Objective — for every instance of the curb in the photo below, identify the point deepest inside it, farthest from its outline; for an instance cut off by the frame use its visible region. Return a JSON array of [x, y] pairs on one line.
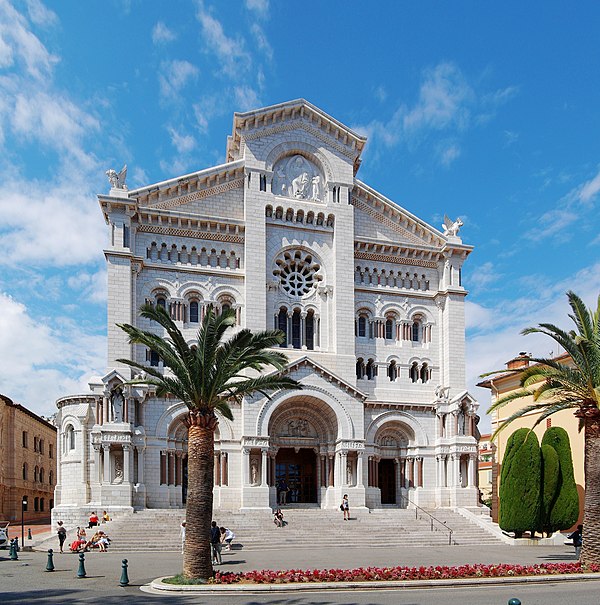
[[224, 589]]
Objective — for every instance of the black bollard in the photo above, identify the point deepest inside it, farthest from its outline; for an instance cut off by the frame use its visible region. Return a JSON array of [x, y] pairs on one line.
[[50, 564], [13, 550], [514, 601], [29, 533], [81, 570], [124, 581]]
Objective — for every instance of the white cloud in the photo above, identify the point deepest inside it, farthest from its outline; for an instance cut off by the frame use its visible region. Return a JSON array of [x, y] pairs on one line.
[[58, 353], [6, 53], [25, 45], [483, 275], [184, 143], [261, 40], [230, 51], [246, 98], [174, 76], [443, 100], [260, 6], [590, 189], [40, 14], [162, 34], [92, 287], [50, 224], [449, 154]]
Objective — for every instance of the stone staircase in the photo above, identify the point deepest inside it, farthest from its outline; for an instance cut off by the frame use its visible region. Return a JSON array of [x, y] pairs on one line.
[[156, 529]]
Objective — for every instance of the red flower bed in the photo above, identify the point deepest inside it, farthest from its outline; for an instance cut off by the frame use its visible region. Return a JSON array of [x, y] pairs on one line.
[[367, 574]]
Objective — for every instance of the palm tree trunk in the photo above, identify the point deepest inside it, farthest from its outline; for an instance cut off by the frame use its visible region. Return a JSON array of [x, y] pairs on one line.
[[196, 558], [590, 552]]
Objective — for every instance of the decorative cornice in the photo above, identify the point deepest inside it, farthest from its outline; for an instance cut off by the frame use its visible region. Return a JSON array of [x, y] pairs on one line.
[[199, 195], [398, 260], [208, 235]]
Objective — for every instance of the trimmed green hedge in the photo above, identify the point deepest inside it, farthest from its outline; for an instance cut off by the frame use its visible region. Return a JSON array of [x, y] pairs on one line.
[[550, 481]]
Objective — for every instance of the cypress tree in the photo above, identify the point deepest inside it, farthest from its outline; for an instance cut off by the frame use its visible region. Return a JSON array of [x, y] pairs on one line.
[[550, 480], [520, 483], [565, 509]]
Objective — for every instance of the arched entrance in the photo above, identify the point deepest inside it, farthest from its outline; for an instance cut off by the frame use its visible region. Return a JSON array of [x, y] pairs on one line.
[[299, 471], [303, 432]]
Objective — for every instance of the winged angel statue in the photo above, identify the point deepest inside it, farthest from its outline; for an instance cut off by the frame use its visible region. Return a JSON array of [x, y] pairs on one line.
[[117, 179], [451, 227]]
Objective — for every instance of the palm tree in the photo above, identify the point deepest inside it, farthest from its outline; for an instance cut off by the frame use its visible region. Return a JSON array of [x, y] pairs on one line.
[[555, 387], [207, 377]]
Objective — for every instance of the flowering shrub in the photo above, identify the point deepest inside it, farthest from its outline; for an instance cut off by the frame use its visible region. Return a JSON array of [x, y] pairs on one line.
[[366, 574]]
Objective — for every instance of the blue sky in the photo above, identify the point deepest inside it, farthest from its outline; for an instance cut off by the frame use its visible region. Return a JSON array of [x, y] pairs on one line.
[[479, 110]]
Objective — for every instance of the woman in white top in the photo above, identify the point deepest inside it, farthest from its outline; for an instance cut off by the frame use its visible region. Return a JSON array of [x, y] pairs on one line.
[[227, 537]]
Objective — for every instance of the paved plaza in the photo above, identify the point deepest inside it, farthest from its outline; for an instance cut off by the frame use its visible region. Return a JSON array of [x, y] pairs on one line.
[[26, 580]]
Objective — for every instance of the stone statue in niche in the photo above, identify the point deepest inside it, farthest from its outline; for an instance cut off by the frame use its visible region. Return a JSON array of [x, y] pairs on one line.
[[254, 472], [349, 473], [117, 401], [298, 178], [461, 421], [118, 470]]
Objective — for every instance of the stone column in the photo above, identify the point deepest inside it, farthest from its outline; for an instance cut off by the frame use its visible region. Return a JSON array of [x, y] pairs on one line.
[[106, 452], [217, 468], [224, 468], [323, 467], [419, 472], [343, 458], [105, 409], [456, 469], [441, 471], [411, 472], [96, 463], [140, 451], [472, 470], [263, 467], [359, 469], [246, 466], [126, 463], [170, 459], [330, 470], [303, 330]]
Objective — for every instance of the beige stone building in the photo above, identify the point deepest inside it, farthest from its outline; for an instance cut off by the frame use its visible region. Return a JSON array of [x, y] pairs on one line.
[[487, 449], [504, 384], [27, 463]]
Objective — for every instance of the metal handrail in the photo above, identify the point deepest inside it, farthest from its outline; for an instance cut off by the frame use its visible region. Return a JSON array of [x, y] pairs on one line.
[[431, 517]]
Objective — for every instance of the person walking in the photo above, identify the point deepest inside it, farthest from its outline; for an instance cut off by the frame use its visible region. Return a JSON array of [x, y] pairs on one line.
[[215, 544], [577, 537], [345, 507], [62, 535], [182, 537]]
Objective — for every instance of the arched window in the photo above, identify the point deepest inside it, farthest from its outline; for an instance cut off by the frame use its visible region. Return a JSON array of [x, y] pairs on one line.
[[194, 312], [36, 504], [41, 446], [416, 331], [69, 438], [424, 373], [282, 324], [371, 370], [42, 475], [51, 477], [225, 307], [154, 359], [42, 504], [310, 330], [362, 326], [296, 336], [392, 371], [35, 444], [25, 471], [360, 368], [389, 329], [161, 301], [36, 474], [414, 372]]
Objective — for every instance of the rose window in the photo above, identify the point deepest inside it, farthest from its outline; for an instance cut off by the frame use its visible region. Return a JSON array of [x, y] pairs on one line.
[[298, 273]]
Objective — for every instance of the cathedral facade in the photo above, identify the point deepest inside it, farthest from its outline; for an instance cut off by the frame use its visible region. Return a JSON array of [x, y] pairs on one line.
[[369, 298]]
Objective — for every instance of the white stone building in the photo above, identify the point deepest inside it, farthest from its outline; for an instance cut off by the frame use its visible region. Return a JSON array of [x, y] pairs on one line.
[[369, 296]]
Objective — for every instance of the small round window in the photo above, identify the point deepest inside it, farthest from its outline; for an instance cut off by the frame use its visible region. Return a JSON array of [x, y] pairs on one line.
[[298, 273]]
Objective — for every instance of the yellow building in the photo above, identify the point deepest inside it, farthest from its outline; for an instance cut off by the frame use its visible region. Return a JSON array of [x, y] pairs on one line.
[[27, 463], [501, 385]]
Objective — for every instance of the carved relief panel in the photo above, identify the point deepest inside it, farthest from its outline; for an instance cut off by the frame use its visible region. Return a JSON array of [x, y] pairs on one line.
[[298, 178]]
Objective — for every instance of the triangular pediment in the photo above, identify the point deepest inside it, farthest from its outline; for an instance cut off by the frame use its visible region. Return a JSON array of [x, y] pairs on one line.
[[306, 362], [386, 221], [297, 114]]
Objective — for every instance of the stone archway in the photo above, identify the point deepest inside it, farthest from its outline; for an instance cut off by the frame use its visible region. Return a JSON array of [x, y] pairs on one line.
[[303, 431]]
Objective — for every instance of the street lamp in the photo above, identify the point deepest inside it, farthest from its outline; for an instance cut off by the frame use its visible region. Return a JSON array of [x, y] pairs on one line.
[[23, 506]]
